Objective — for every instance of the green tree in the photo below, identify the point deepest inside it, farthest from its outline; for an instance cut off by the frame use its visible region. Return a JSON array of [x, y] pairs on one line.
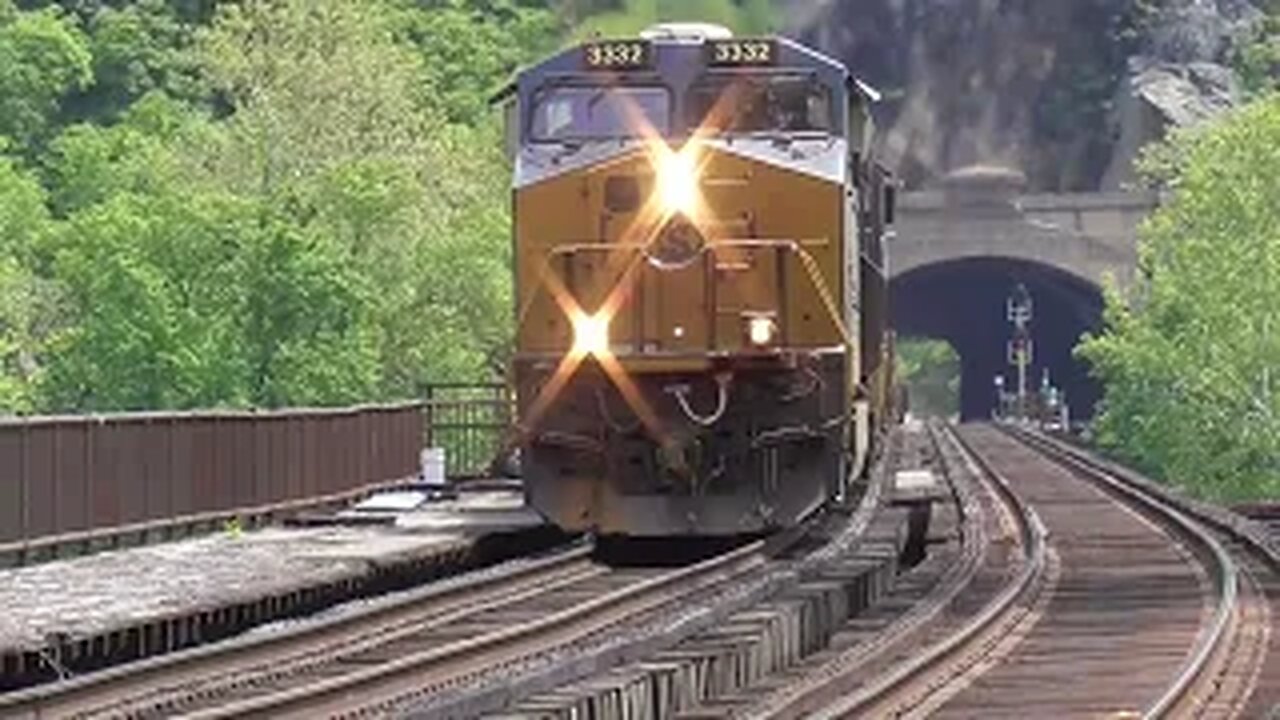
[[930, 370], [628, 17], [154, 307], [268, 202], [469, 47], [137, 48], [312, 85], [156, 145], [1257, 59], [333, 125], [43, 58], [1189, 366], [308, 323], [28, 303], [201, 299]]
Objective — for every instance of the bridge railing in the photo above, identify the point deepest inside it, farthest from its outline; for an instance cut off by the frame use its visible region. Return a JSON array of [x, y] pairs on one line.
[[64, 479], [470, 422]]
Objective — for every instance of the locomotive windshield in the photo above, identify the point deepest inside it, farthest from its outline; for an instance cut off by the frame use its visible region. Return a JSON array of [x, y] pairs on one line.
[[756, 104], [599, 113]]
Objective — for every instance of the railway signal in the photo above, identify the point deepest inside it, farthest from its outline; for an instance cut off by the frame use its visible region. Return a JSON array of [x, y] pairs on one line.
[[1018, 311]]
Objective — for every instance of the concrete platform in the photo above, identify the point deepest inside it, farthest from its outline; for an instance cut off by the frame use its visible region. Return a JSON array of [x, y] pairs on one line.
[[68, 601], [472, 513]]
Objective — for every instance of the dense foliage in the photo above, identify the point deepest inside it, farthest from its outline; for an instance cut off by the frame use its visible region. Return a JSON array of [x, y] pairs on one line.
[[274, 202], [930, 370], [268, 202], [626, 17], [1189, 366], [1257, 59]]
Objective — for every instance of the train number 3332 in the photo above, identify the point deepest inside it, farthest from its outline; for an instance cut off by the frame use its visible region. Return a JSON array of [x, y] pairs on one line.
[[742, 52], [617, 55]]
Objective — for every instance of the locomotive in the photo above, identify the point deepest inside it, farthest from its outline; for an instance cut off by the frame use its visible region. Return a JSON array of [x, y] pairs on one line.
[[700, 282]]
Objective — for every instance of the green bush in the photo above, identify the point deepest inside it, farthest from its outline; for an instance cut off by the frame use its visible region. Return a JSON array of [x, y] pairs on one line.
[[1189, 361]]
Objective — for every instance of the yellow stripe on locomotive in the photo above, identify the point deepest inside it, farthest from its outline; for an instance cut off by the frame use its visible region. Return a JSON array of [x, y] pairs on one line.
[[694, 252]]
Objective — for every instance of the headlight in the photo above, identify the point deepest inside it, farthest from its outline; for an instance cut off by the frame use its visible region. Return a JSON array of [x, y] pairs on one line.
[[761, 329], [591, 334], [677, 246], [677, 179]]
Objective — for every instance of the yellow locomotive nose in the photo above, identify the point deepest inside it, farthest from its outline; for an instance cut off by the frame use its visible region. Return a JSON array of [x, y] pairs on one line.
[[697, 307]]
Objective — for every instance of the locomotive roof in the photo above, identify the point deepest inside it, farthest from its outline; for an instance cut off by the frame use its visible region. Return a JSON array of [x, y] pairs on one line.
[[679, 59]]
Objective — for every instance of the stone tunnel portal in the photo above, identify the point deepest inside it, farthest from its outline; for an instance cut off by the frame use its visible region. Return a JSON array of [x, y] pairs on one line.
[[963, 302]]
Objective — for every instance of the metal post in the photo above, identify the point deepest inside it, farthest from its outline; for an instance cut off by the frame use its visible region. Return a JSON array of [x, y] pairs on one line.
[[1000, 398], [430, 419], [1019, 312]]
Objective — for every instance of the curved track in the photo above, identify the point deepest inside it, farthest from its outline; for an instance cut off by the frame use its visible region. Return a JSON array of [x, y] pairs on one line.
[[1137, 600], [1123, 607], [1074, 591]]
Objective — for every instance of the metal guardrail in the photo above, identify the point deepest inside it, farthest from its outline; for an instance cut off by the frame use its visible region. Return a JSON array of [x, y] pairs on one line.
[[83, 477], [470, 422]]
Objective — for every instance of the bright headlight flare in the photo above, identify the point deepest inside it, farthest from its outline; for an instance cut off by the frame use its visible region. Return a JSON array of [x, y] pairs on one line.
[[761, 330], [677, 178], [591, 334]]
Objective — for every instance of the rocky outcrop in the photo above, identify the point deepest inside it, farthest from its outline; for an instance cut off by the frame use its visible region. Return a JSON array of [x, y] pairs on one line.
[[1180, 79], [1156, 97], [1065, 90], [1198, 31]]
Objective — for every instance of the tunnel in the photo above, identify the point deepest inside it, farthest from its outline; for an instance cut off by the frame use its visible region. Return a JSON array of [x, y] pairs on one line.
[[963, 302]]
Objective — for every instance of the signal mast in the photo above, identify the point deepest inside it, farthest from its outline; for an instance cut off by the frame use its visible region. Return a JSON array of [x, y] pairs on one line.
[[1018, 311]]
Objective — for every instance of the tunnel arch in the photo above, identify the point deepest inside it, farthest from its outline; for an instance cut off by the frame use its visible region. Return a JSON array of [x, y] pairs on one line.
[[962, 301]]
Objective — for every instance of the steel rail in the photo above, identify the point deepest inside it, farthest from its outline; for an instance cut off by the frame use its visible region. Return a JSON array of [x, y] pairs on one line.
[[1210, 637], [382, 684], [1034, 541], [138, 682], [797, 698]]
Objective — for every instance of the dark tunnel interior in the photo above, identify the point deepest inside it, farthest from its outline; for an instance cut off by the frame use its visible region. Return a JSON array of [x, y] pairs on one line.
[[963, 302]]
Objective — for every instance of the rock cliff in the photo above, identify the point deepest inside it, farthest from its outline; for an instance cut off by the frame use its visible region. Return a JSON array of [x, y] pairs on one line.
[[1066, 91]]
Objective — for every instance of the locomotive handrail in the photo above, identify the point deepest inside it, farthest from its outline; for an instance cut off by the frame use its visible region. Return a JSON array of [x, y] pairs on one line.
[[795, 246]]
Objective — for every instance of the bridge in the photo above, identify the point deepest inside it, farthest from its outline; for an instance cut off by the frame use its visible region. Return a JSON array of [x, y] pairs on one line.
[[960, 250]]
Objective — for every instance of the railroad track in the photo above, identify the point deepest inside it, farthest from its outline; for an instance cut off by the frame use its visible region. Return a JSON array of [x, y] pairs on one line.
[[1060, 589], [1235, 668], [998, 551], [1121, 605], [723, 669], [377, 655], [263, 670], [381, 655]]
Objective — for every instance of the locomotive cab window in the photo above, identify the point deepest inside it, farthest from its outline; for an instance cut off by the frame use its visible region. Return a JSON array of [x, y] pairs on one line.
[[747, 104], [578, 112]]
